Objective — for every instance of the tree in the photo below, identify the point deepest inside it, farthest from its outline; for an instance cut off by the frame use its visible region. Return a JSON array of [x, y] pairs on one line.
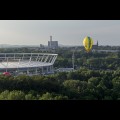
[[16, 95], [12, 95], [30, 97], [61, 97], [75, 88], [116, 88], [47, 96], [94, 80], [4, 95]]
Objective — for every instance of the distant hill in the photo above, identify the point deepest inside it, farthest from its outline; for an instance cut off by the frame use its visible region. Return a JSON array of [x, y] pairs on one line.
[[61, 45], [16, 46]]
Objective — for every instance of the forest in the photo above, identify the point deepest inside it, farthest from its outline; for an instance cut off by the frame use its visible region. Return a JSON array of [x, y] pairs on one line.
[[83, 84], [96, 77]]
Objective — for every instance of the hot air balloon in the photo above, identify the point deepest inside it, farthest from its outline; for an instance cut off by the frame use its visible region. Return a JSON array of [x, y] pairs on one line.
[[88, 42]]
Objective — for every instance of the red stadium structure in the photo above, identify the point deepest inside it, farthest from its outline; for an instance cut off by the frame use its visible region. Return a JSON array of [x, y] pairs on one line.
[[6, 74]]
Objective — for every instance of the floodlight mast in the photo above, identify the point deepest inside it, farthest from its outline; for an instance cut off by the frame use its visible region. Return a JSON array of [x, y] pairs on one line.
[[73, 59]]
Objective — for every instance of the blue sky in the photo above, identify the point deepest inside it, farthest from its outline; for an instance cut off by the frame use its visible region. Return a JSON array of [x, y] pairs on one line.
[[66, 32]]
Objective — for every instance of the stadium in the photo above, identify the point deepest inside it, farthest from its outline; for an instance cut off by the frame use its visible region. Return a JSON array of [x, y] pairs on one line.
[[27, 63]]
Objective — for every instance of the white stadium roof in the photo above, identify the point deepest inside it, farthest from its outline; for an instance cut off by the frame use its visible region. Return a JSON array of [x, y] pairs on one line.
[[23, 64], [26, 60]]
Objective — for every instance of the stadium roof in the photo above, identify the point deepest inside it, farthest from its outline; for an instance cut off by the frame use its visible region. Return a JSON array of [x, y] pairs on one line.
[[26, 60]]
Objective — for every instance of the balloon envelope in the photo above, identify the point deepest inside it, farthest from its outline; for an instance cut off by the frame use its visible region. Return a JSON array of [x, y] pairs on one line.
[[88, 42]]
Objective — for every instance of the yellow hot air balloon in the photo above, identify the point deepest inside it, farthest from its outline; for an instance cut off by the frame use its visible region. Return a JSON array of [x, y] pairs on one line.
[[88, 42]]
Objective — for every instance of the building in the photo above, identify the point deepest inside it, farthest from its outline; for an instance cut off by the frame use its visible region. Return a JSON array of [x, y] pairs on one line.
[[108, 51], [27, 63], [65, 70], [42, 46], [95, 46], [52, 44]]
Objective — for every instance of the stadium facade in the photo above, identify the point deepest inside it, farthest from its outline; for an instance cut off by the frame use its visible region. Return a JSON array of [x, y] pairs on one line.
[[27, 63]]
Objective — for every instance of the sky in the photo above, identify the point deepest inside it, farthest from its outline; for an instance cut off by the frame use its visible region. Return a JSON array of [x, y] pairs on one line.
[[66, 32]]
